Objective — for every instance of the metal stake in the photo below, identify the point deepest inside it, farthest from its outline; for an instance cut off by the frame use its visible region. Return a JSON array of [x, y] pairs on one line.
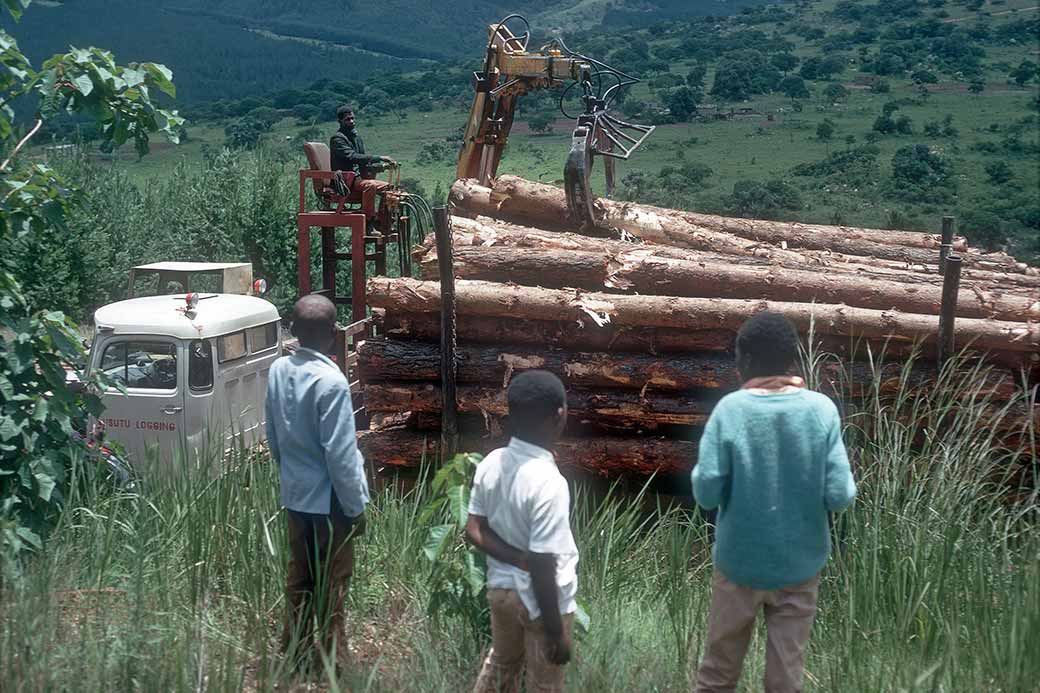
[[948, 308], [947, 243], [449, 403]]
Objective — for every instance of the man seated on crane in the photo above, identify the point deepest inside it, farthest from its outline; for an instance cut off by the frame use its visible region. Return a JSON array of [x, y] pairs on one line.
[[347, 151]]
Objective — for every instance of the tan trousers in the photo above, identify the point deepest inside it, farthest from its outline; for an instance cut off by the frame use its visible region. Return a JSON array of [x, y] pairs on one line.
[[517, 641], [789, 615], [321, 562]]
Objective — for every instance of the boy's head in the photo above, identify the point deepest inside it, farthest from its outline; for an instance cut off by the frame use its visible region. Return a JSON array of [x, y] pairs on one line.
[[314, 322], [537, 406], [767, 344]]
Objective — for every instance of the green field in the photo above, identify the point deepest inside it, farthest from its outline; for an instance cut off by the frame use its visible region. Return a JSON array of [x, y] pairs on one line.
[[767, 144]]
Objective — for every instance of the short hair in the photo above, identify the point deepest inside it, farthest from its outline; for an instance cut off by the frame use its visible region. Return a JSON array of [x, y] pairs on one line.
[[345, 108], [314, 316], [769, 342], [534, 397]]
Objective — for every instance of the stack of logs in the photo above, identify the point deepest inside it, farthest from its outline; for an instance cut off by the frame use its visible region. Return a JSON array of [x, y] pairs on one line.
[[638, 318]]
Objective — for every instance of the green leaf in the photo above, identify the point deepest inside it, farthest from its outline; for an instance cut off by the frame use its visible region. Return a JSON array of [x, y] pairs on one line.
[[84, 84], [30, 537], [436, 539], [458, 500], [474, 574], [581, 617], [9, 429], [45, 485], [15, 7]]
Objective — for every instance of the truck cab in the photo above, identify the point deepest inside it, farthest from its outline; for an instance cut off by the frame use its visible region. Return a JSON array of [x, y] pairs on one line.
[[194, 367], [178, 277]]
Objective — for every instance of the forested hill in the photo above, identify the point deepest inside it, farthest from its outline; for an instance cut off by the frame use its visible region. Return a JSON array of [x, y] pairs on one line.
[[238, 48]]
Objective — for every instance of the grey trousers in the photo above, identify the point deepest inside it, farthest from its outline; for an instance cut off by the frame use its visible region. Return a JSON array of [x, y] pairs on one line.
[[789, 613]]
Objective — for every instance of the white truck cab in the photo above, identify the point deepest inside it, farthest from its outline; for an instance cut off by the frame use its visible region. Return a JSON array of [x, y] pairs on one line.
[[195, 369]]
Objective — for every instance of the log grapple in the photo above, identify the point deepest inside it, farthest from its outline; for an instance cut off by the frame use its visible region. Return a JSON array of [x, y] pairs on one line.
[[510, 70]]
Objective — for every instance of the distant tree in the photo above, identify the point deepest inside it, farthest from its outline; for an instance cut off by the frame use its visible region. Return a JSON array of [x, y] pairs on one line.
[[880, 87], [948, 129], [785, 62], [919, 165], [825, 130], [873, 136], [924, 77], [794, 87], [932, 128], [1025, 71], [305, 113], [763, 200], [976, 86], [245, 133], [904, 125], [998, 172], [541, 123], [695, 77], [681, 102], [835, 92]]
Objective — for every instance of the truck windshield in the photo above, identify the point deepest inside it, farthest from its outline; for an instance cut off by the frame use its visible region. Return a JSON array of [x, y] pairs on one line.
[[141, 364]]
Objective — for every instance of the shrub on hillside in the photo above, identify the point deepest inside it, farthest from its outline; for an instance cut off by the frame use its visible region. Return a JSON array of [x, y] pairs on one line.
[[763, 200]]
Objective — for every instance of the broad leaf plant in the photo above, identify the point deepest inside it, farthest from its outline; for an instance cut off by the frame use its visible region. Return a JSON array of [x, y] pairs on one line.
[[38, 412]]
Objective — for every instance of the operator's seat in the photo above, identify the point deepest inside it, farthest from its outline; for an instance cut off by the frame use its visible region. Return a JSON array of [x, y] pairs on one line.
[[319, 159]]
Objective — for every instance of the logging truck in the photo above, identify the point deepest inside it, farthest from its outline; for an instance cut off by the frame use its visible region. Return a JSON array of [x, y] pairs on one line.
[[186, 371]]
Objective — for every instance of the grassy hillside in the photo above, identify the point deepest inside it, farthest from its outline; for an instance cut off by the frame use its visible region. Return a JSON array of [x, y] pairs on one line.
[[239, 48], [819, 145]]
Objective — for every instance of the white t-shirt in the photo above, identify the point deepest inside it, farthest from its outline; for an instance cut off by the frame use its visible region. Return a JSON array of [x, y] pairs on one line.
[[525, 500]]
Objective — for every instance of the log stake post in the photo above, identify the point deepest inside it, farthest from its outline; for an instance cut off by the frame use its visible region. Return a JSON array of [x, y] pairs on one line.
[[449, 408], [947, 243], [948, 308]]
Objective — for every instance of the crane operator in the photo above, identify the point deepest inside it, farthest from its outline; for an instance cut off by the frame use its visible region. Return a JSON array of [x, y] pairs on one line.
[[347, 151]]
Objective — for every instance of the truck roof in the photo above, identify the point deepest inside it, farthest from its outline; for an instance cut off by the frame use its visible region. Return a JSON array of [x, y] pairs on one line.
[[176, 266], [216, 314]]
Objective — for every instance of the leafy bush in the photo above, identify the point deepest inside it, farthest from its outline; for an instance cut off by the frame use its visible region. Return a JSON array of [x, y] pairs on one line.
[[919, 164], [854, 166], [766, 200], [457, 586]]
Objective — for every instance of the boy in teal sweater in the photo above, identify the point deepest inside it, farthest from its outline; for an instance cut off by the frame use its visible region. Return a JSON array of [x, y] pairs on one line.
[[773, 462]]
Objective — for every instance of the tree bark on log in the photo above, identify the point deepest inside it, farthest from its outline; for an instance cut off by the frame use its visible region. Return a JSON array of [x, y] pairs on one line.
[[534, 303], [640, 271], [486, 232], [629, 409], [527, 202], [551, 334], [601, 455], [397, 360]]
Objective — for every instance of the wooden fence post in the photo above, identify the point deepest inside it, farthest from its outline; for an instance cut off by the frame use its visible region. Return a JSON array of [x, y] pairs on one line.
[[947, 243], [948, 308], [449, 406]]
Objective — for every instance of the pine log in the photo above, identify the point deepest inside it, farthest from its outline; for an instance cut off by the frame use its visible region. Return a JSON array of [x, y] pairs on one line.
[[626, 408], [653, 340], [600, 455], [538, 204], [487, 232], [641, 271], [397, 360], [534, 303]]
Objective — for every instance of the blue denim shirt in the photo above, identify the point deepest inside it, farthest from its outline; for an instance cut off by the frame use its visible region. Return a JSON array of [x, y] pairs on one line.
[[310, 431]]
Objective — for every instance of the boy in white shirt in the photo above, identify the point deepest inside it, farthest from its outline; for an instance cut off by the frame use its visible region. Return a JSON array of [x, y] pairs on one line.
[[519, 515]]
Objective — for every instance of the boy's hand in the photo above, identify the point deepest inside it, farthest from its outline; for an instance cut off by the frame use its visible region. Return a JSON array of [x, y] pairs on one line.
[[559, 648], [357, 525]]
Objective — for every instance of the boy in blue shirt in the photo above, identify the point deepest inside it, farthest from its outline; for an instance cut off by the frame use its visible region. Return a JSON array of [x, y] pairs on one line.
[[773, 462]]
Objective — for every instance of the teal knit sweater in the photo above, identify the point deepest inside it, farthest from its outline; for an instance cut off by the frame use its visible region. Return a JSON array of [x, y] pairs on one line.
[[774, 465]]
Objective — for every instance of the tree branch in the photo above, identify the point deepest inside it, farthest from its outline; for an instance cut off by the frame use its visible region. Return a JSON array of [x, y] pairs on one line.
[[35, 129]]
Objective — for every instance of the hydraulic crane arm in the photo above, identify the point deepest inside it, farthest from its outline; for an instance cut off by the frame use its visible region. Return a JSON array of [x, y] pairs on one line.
[[511, 71]]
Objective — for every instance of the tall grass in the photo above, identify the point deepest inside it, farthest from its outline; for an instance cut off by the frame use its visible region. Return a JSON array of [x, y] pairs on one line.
[[935, 585]]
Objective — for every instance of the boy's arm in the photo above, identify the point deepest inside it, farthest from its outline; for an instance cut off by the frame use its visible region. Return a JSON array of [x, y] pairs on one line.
[[269, 425], [546, 594], [550, 536], [839, 488], [342, 457], [711, 473], [480, 535]]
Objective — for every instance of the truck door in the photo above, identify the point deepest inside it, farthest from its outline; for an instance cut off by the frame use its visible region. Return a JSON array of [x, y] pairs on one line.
[[149, 419]]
